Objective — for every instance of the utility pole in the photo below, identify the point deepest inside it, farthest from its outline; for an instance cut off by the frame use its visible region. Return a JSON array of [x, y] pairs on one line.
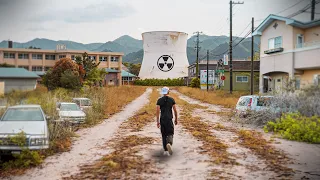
[[252, 54], [197, 49], [313, 4], [207, 70], [230, 44]]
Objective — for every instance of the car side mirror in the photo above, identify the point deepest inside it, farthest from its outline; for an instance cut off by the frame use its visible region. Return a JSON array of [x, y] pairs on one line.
[[58, 109], [81, 109], [48, 117]]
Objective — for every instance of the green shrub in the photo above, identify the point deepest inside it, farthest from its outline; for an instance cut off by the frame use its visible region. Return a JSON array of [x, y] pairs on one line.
[[160, 82], [26, 158], [195, 82], [294, 126]]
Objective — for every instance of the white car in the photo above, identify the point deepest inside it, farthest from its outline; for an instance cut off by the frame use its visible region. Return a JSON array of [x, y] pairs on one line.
[[71, 112], [83, 103], [252, 103], [29, 119]]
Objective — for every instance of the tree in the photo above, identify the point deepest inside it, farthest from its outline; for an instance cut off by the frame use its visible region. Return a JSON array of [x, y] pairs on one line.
[[70, 80], [6, 65], [85, 65], [133, 68], [95, 76], [52, 79]]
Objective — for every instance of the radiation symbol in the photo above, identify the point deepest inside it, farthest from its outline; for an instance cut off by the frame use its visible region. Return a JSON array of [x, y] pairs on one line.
[[165, 63]]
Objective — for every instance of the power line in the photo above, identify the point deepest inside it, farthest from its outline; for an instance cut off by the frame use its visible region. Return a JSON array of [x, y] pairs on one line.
[[242, 32], [290, 7], [302, 10]]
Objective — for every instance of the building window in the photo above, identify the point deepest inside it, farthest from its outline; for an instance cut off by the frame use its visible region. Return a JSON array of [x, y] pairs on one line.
[[25, 67], [9, 55], [103, 58], [47, 68], [50, 57], [62, 56], [275, 42], [37, 56], [92, 58], [23, 56], [114, 59], [242, 79], [36, 68]]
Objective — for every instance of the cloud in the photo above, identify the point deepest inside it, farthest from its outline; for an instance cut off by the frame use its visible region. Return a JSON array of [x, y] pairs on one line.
[[91, 13], [33, 29]]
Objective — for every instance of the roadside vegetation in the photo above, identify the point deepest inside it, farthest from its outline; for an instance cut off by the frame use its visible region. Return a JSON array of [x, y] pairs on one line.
[[160, 82], [105, 102], [218, 97]]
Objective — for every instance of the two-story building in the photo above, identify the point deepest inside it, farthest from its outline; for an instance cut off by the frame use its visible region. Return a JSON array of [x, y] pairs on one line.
[[289, 52], [40, 60]]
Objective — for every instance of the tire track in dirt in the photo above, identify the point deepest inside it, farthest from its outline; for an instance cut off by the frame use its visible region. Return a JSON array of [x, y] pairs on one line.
[[250, 166], [88, 147]]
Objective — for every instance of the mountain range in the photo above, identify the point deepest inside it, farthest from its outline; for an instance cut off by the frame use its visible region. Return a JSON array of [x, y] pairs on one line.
[[133, 48]]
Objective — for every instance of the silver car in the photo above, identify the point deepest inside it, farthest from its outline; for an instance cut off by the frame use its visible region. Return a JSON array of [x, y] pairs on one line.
[[29, 119], [71, 112]]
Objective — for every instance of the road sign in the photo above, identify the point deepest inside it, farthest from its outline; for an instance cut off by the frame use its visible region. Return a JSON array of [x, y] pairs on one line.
[[220, 71], [223, 78], [225, 59]]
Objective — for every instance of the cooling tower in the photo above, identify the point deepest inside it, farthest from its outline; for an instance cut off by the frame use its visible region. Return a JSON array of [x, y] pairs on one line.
[[165, 55]]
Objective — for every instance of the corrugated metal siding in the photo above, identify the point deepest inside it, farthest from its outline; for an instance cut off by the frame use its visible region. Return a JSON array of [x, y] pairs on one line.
[[19, 84]]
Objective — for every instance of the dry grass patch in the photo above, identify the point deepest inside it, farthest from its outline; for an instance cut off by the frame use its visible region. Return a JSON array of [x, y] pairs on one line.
[[117, 97], [123, 163], [274, 158], [144, 116], [202, 131], [219, 97]]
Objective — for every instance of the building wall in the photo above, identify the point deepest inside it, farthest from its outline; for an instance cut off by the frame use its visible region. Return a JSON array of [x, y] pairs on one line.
[[111, 79], [241, 86], [282, 30], [19, 84], [312, 34], [306, 79]]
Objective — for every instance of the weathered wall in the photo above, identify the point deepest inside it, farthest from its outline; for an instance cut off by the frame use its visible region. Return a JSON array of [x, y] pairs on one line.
[[19, 84]]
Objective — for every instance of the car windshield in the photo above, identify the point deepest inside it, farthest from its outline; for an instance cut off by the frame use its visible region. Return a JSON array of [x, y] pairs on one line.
[[244, 101], [86, 102], [23, 114], [264, 101], [69, 107]]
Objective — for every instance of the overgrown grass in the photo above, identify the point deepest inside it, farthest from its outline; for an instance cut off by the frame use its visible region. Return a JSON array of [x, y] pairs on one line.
[[218, 97], [105, 102], [294, 126]]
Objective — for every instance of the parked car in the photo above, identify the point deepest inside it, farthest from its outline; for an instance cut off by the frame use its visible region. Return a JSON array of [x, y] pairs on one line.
[[83, 103], [252, 103], [71, 112], [27, 118]]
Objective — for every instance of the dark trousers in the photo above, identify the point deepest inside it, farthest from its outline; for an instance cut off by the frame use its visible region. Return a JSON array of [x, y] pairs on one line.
[[167, 131]]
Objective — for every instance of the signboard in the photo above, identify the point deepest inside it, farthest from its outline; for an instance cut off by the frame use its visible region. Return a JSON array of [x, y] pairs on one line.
[[225, 59], [203, 79], [61, 47], [220, 71]]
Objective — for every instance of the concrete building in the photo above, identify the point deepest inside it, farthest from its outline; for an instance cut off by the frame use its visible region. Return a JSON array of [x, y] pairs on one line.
[[17, 79], [289, 51], [128, 78], [39, 60]]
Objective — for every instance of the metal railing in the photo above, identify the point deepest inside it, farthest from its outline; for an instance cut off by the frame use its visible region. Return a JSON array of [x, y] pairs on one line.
[[307, 44]]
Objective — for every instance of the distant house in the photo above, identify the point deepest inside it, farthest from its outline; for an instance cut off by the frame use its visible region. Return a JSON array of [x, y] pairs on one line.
[[17, 79], [241, 74], [128, 78], [290, 50], [112, 77]]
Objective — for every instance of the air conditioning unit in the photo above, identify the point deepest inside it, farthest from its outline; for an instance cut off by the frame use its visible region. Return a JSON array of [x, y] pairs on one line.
[[316, 79]]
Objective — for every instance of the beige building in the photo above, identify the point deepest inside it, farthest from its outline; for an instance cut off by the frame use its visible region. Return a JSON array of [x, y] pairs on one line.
[[39, 60], [289, 53]]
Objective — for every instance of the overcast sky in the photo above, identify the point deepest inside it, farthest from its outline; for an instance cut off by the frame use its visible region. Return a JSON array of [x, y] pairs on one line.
[[89, 21]]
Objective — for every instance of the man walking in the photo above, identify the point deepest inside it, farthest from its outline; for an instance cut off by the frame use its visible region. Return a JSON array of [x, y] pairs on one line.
[[165, 104]]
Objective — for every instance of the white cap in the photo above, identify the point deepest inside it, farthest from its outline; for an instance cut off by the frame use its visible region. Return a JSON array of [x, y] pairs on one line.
[[165, 90]]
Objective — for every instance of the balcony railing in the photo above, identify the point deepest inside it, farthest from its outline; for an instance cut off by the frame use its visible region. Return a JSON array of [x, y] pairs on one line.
[[307, 44]]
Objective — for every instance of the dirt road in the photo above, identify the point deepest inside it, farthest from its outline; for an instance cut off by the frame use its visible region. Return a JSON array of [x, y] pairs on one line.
[[190, 159]]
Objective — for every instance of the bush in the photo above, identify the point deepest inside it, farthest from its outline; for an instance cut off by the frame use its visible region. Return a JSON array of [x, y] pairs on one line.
[[70, 80], [294, 126], [160, 82], [195, 83]]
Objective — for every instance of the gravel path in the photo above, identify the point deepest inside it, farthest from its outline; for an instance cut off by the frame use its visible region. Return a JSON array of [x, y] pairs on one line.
[[88, 147]]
